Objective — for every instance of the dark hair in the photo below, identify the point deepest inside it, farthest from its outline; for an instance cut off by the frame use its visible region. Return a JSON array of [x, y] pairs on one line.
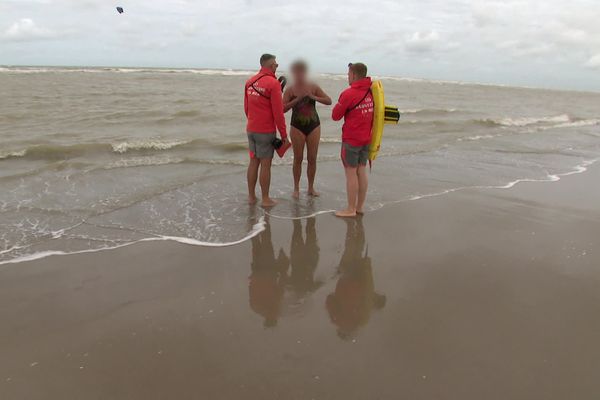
[[299, 65], [266, 58], [359, 69]]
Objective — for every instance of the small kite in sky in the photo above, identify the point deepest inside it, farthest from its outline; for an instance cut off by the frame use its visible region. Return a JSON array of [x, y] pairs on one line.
[[120, 10]]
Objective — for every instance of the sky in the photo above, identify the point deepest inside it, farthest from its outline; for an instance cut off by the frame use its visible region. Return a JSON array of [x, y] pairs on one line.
[[549, 43]]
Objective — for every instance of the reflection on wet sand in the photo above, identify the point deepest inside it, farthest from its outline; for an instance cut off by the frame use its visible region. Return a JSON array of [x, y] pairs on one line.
[[267, 279], [304, 258], [272, 276], [354, 298], [275, 278]]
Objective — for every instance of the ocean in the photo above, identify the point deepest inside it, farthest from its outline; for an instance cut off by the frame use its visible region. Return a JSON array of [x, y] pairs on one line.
[[97, 158]]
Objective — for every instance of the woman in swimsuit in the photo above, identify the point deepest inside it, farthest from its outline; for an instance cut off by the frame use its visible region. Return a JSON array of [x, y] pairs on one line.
[[301, 98]]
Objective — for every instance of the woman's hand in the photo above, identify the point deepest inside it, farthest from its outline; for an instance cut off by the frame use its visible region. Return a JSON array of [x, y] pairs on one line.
[[320, 96], [302, 93], [290, 99]]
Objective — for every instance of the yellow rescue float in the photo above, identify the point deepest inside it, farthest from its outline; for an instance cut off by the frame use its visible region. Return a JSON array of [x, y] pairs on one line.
[[382, 115]]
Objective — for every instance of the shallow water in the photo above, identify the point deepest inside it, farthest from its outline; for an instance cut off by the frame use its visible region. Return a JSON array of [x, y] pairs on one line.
[[98, 158]]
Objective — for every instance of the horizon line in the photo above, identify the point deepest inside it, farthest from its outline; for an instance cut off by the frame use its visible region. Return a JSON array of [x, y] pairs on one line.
[[407, 78]]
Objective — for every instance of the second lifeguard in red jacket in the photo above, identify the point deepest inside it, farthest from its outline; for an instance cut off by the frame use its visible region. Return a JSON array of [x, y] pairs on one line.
[[355, 105], [263, 106]]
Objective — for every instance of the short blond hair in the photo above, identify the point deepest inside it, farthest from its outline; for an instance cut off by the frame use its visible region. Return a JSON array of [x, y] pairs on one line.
[[359, 69]]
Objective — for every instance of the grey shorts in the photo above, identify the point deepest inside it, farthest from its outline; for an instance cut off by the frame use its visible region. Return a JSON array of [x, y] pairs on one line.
[[353, 156], [261, 145]]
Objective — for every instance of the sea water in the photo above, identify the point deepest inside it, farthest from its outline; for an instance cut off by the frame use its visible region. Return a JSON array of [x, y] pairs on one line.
[[96, 158]]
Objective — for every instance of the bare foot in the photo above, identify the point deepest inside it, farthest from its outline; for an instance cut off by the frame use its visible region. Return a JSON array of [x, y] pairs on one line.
[[268, 202], [313, 193], [252, 200], [296, 194], [347, 213]]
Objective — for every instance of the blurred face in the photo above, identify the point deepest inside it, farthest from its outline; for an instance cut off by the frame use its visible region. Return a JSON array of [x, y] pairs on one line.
[[299, 74]]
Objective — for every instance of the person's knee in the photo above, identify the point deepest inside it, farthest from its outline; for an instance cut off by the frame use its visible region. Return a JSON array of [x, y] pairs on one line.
[[298, 160], [351, 171], [312, 159]]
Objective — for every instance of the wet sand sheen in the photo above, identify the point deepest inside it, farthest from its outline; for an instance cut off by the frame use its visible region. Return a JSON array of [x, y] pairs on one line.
[[478, 294]]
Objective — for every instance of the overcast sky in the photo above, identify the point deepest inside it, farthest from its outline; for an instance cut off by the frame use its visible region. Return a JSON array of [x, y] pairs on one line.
[[549, 43]]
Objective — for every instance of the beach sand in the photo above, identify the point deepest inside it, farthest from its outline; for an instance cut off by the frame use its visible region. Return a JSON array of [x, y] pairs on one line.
[[477, 294]]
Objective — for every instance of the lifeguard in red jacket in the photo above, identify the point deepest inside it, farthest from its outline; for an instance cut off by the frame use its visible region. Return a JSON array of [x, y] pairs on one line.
[[263, 106], [355, 105]]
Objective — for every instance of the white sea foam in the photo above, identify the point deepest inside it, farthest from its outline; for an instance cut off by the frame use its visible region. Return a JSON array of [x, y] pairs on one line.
[[317, 213], [549, 178], [436, 194], [476, 137], [574, 124], [16, 70], [426, 110], [124, 147], [526, 121], [10, 249], [227, 72], [41, 70], [144, 161], [331, 140], [256, 230], [13, 154]]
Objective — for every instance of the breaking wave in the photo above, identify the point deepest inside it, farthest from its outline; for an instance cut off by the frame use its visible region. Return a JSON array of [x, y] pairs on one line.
[[58, 152], [527, 121], [41, 70], [428, 111], [124, 147]]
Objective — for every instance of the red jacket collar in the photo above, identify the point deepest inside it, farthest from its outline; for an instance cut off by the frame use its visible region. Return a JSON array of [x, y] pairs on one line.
[[266, 71], [363, 83]]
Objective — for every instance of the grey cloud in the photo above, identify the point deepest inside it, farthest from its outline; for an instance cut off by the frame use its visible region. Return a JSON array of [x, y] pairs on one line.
[[593, 62], [501, 41], [26, 29], [422, 42]]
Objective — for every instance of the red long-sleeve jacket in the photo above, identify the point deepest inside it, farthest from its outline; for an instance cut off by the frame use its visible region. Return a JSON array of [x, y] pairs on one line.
[[355, 105], [263, 104]]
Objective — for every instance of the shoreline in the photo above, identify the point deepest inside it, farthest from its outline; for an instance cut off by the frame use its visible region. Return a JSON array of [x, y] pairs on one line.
[[259, 226]]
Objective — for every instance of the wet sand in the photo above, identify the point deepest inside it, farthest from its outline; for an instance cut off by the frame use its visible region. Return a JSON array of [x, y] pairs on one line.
[[478, 294]]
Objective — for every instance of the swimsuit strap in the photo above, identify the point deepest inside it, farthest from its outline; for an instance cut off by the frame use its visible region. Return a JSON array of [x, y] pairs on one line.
[[360, 102], [256, 90]]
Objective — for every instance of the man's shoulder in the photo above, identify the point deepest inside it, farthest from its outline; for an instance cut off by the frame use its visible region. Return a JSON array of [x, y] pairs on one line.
[[270, 80], [262, 79], [348, 92]]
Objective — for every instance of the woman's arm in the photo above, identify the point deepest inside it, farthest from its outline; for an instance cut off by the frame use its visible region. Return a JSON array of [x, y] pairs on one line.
[[289, 101], [319, 95]]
